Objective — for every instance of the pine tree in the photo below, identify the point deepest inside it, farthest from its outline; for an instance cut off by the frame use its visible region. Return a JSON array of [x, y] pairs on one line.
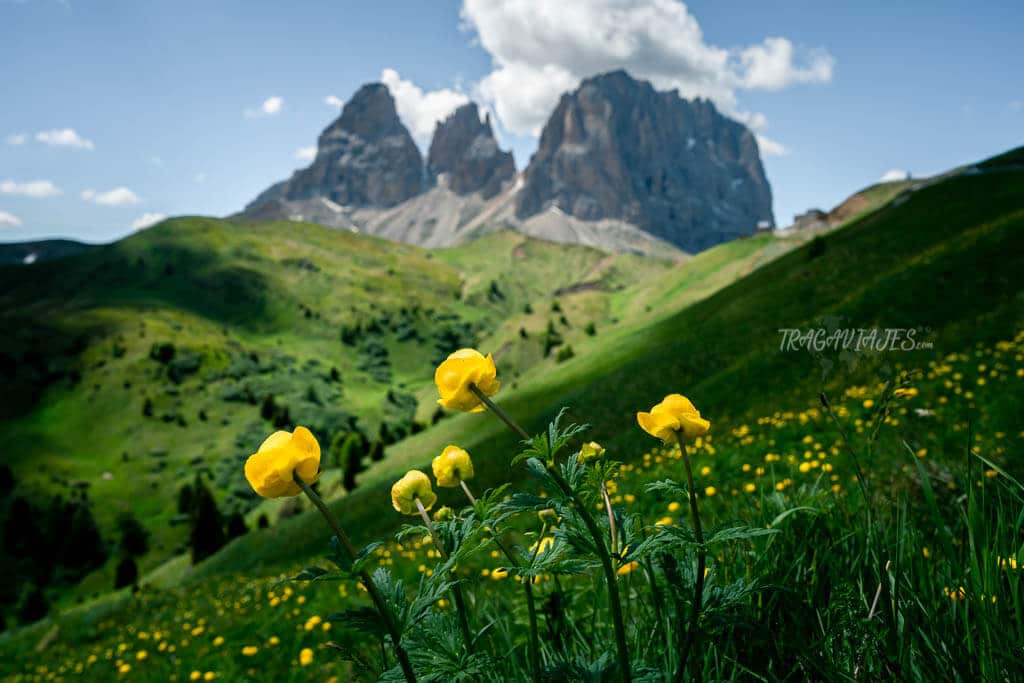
[[207, 535], [134, 537], [126, 573]]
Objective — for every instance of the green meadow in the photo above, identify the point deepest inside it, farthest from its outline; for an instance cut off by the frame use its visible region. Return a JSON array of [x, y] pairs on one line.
[[863, 508]]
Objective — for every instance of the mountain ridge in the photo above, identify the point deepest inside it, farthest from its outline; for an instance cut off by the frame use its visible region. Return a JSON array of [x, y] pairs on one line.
[[610, 178]]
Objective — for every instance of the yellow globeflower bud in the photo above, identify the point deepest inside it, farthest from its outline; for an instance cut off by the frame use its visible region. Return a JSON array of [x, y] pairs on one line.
[[444, 514], [451, 466], [269, 470], [406, 490], [591, 451], [461, 369], [675, 416]]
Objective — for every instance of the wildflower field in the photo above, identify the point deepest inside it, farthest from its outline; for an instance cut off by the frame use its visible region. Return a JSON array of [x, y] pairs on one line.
[[679, 500]]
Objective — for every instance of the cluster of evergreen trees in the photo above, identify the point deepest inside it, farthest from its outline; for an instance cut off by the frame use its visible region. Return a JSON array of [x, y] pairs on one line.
[[47, 543]]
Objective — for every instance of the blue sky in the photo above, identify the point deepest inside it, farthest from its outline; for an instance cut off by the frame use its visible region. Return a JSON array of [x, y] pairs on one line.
[[115, 112]]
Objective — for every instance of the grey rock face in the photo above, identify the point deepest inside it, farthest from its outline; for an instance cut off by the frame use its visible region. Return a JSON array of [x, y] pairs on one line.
[[618, 149], [463, 148], [366, 158]]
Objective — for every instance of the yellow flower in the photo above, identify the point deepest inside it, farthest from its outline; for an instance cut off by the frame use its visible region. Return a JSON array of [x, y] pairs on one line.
[[499, 574], [306, 656], [462, 368], [195, 675], [452, 466], [444, 514], [124, 668], [406, 490], [218, 641], [250, 650], [209, 676], [675, 416], [710, 491], [627, 568], [591, 451], [270, 469]]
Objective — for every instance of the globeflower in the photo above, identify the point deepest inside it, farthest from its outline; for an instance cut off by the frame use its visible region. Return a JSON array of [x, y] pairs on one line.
[[452, 466], [462, 369], [414, 485], [270, 469], [675, 418], [591, 451]]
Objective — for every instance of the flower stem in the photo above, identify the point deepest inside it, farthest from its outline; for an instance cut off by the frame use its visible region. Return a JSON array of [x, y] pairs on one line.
[[531, 608], [611, 519], [595, 533], [460, 603], [502, 415], [364, 576], [698, 589]]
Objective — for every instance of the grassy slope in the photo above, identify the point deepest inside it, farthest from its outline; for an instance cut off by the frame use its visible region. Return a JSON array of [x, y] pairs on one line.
[[225, 291], [947, 261]]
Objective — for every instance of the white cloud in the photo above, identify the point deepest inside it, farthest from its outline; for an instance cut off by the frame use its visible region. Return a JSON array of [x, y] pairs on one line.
[[772, 65], [119, 196], [32, 188], [9, 220], [769, 147], [64, 137], [147, 219], [16, 139], [894, 175], [334, 101], [540, 49], [271, 106], [305, 153], [420, 111]]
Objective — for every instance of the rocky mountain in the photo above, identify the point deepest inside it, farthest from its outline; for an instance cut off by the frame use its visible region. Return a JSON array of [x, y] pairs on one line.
[[676, 168], [464, 152], [365, 158], [620, 166]]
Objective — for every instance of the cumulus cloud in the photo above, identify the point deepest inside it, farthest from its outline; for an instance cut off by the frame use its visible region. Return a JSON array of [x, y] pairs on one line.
[[271, 106], [32, 188], [420, 111], [9, 220], [894, 175], [119, 196], [769, 147], [334, 101], [305, 153], [64, 137], [147, 219], [16, 139], [540, 49]]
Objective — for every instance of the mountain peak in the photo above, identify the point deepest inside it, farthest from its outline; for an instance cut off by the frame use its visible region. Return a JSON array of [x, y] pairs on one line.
[[464, 150], [365, 158], [616, 148], [371, 114]]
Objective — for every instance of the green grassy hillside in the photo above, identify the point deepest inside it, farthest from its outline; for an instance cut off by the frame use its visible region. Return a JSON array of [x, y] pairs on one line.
[[268, 314], [946, 262]]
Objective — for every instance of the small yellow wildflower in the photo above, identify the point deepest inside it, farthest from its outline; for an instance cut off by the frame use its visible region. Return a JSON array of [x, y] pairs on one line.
[[454, 376], [414, 485], [591, 451], [675, 416], [250, 650], [627, 568], [269, 470], [499, 574], [452, 466], [306, 656], [710, 491], [195, 675], [218, 641]]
